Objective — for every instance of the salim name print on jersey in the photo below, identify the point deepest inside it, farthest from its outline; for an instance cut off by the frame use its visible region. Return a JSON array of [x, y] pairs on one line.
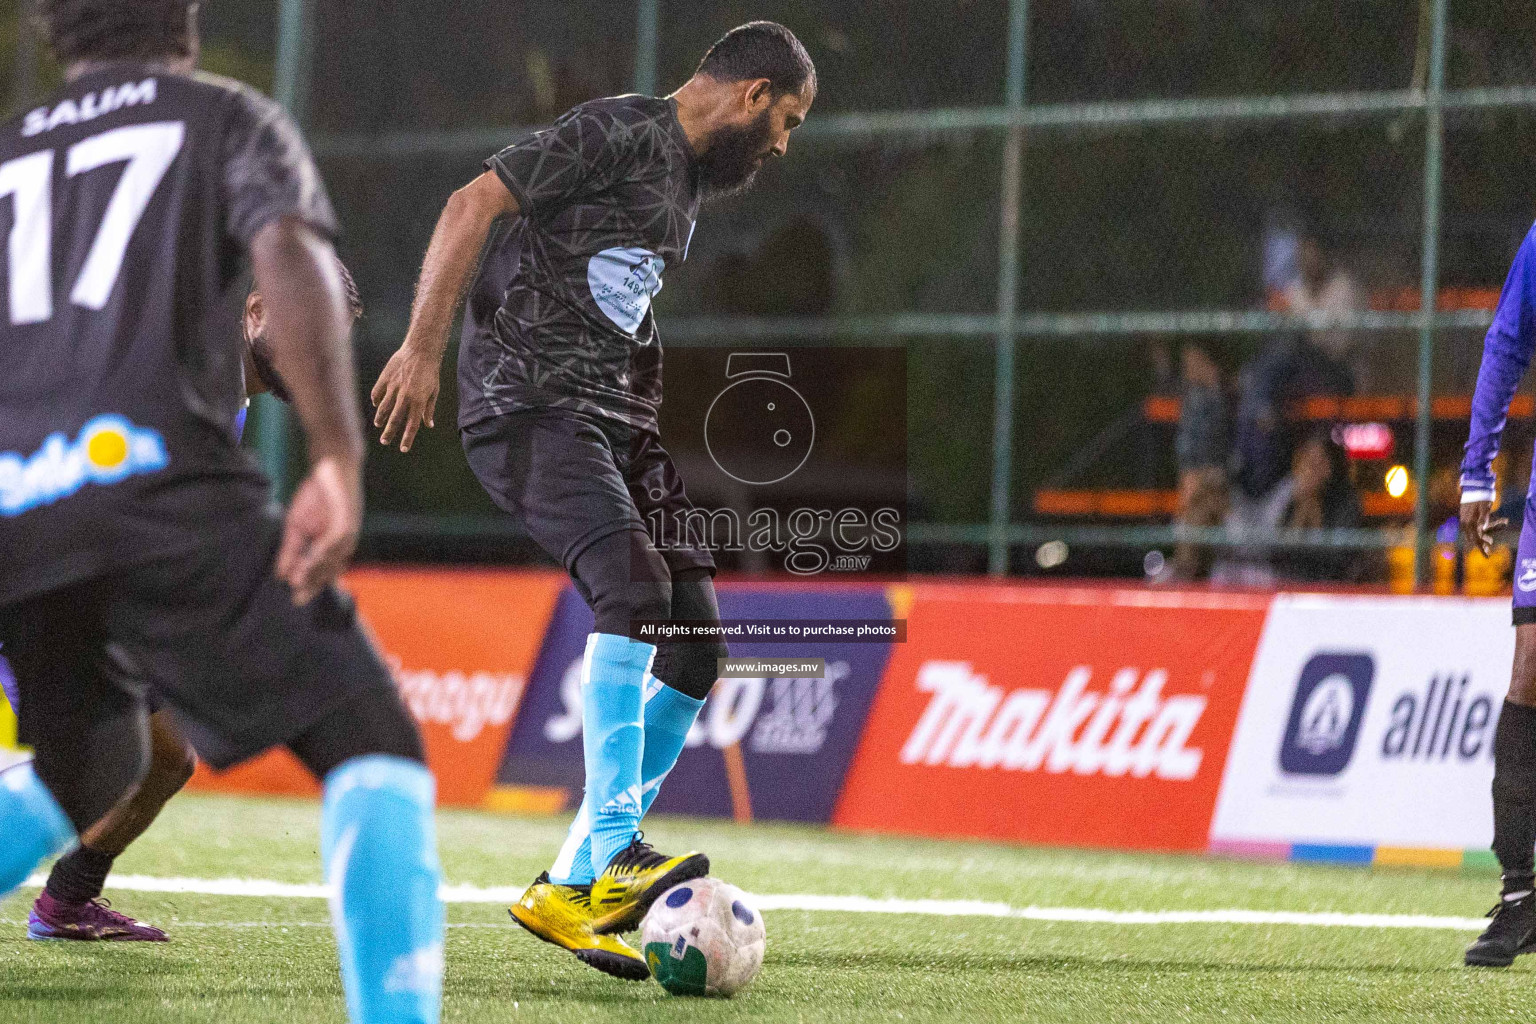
[[90, 106], [107, 450]]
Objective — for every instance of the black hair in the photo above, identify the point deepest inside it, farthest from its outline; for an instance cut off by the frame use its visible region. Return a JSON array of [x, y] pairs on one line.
[[761, 49], [261, 353], [118, 29], [354, 297]]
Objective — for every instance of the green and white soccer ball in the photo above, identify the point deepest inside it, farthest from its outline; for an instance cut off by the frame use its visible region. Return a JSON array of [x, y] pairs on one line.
[[703, 938]]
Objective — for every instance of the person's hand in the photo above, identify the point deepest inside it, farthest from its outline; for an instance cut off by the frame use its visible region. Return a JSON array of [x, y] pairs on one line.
[[405, 396], [1477, 527], [320, 532]]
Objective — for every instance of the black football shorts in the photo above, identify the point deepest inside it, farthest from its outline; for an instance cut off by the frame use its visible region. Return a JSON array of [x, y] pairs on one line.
[[571, 479], [211, 632]]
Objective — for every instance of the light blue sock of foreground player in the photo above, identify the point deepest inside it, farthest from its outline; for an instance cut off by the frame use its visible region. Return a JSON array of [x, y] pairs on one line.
[[669, 714], [378, 842], [33, 824], [613, 676]]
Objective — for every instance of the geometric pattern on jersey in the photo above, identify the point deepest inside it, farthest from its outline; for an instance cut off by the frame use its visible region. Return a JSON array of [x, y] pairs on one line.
[[609, 196]]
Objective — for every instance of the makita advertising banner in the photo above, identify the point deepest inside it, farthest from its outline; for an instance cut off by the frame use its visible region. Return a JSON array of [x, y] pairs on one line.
[[1369, 722], [461, 644], [762, 748], [1091, 717]]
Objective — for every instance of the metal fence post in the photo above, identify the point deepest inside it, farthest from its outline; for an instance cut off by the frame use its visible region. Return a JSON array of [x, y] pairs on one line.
[[1007, 296], [645, 47], [1429, 279], [290, 87], [24, 78]]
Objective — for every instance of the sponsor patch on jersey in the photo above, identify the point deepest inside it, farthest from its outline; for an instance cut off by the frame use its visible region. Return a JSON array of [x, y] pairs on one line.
[[1526, 578], [623, 281], [107, 450]]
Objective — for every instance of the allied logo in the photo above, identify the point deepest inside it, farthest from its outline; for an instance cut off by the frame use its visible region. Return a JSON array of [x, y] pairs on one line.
[[1130, 728], [108, 450], [1326, 713]]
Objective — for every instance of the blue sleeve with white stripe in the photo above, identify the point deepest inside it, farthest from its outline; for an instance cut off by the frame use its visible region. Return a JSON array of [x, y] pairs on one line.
[[1506, 354]]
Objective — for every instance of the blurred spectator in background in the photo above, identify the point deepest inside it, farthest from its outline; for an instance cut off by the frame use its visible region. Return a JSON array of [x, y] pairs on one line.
[[1295, 365], [1315, 495], [1326, 292], [1201, 446]]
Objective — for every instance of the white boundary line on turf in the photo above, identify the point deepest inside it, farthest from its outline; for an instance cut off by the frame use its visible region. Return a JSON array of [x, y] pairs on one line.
[[257, 887]]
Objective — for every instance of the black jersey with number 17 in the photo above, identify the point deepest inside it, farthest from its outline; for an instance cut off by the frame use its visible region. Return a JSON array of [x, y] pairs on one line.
[[129, 201]]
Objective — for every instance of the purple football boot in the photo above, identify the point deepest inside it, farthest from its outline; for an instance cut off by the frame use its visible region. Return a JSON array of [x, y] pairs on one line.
[[95, 921]]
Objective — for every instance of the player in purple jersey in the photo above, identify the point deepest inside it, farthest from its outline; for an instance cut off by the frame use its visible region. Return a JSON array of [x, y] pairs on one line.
[[1506, 354], [559, 382], [70, 905]]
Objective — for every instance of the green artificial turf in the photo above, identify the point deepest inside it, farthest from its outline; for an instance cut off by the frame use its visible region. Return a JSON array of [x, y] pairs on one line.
[[243, 959]]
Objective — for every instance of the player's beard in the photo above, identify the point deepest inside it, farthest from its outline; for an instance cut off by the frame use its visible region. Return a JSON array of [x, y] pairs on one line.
[[735, 154]]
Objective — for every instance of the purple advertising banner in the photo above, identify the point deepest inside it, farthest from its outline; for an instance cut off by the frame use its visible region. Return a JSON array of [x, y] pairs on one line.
[[762, 748]]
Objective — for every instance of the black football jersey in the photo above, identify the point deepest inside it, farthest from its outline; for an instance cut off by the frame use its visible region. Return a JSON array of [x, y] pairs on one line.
[[560, 314], [128, 202]]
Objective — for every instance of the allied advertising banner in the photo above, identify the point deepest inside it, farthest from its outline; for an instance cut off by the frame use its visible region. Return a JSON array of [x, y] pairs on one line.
[[1085, 717], [461, 643], [1368, 723], [762, 747]]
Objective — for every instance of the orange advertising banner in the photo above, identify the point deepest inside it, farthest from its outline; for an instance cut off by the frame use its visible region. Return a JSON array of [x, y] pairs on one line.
[[461, 643], [1074, 716]]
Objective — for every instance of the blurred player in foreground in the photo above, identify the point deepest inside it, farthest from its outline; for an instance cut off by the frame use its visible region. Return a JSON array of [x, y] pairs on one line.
[[560, 378], [1506, 354], [70, 905], [137, 551]]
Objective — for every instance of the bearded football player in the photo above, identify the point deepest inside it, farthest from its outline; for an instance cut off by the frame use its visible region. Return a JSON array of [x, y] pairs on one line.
[[560, 379]]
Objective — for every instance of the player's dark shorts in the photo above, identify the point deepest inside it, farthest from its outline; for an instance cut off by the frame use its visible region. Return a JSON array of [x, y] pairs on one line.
[[12, 689], [572, 479], [211, 632], [1525, 567]]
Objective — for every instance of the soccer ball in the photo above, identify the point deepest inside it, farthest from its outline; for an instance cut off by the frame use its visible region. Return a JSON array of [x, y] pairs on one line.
[[703, 938]]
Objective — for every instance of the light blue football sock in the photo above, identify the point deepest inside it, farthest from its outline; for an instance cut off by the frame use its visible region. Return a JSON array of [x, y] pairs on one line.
[[613, 738], [33, 824], [669, 714], [379, 846]]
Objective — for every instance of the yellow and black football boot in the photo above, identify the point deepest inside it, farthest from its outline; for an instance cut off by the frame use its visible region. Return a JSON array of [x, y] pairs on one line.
[[634, 879], [562, 916]]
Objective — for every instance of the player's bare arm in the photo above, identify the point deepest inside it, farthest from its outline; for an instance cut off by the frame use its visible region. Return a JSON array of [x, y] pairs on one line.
[[307, 325], [405, 396]]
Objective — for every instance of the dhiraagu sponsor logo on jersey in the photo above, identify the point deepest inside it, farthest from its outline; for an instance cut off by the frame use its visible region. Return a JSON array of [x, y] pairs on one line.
[[623, 282], [107, 450]]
